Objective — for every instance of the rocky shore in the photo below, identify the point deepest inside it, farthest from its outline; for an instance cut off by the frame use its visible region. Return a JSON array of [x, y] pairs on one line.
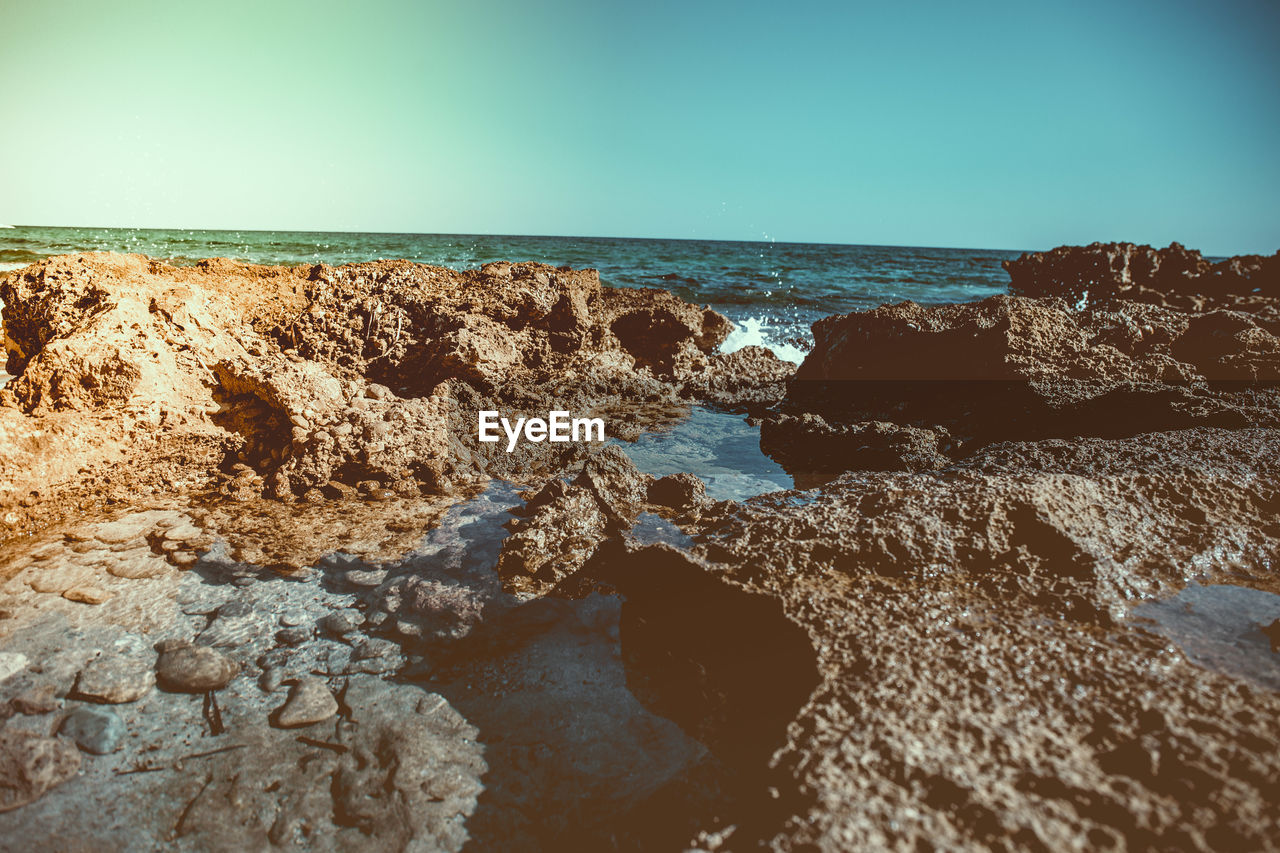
[[263, 588]]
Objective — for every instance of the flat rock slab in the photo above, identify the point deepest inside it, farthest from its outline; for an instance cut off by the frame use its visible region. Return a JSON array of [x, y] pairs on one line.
[[310, 701], [137, 565], [30, 765], [115, 680], [194, 669], [88, 595]]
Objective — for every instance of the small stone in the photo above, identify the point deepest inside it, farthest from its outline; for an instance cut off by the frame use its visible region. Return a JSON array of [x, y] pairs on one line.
[[309, 702], [115, 680], [88, 595], [339, 491], [677, 491], [366, 578], [293, 616], [340, 622], [406, 488], [95, 729], [375, 647], [294, 636], [378, 392], [38, 700], [194, 669], [30, 765], [271, 679], [11, 663], [183, 559]]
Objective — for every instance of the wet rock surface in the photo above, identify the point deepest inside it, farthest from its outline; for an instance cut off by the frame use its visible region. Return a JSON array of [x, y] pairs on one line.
[[1022, 595]]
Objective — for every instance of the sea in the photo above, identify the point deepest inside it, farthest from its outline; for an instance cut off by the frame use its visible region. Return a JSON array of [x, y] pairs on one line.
[[771, 291]]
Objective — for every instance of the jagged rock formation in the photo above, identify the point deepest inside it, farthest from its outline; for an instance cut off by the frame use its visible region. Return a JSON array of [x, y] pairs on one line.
[[933, 645], [1003, 480], [316, 383], [1013, 367], [1174, 276]]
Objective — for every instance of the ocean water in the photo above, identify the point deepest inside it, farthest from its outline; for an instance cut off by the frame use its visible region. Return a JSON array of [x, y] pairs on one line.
[[771, 291]]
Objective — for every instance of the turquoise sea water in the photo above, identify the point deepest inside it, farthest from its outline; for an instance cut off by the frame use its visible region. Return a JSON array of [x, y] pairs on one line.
[[772, 291]]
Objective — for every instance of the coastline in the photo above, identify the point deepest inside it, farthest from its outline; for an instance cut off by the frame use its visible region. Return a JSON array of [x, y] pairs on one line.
[[930, 639]]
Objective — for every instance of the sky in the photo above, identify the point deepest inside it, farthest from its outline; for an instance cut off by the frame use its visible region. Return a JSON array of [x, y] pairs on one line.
[[992, 125]]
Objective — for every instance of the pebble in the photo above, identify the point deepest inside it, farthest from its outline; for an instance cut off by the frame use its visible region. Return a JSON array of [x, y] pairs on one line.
[[341, 622], [309, 702], [367, 578], [375, 647], [294, 636], [88, 595], [11, 663], [95, 729], [194, 669], [293, 616], [183, 559], [271, 679], [37, 700], [115, 680]]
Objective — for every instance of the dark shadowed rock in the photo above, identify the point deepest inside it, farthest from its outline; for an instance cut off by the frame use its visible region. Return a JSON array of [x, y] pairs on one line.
[[1174, 276], [677, 491]]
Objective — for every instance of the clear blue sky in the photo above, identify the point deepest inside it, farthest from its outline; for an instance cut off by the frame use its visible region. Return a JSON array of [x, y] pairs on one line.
[[1001, 125]]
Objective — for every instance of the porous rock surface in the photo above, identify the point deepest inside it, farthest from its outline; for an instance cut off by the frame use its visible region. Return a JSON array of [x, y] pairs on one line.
[[132, 376], [931, 642], [1175, 276], [1004, 481]]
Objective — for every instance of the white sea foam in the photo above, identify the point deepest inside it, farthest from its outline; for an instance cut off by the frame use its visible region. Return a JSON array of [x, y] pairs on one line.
[[755, 331], [5, 267]]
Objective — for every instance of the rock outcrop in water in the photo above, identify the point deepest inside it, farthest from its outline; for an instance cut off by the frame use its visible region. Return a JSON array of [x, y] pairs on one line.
[[1174, 276]]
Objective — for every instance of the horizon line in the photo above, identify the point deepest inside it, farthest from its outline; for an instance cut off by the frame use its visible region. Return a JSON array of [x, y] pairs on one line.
[[768, 241]]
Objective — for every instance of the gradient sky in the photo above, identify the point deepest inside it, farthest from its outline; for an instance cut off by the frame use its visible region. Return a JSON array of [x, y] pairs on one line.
[[995, 125]]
